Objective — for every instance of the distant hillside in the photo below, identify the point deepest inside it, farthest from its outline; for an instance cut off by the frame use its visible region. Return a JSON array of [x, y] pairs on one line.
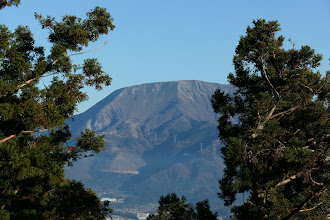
[[160, 138]]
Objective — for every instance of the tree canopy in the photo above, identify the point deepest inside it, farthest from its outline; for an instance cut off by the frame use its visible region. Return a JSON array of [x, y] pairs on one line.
[[5, 3], [278, 151], [173, 207], [33, 134]]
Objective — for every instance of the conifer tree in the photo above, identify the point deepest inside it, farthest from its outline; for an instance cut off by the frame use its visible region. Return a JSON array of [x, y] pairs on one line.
[[278, 151], [175, 208], [33, 134]]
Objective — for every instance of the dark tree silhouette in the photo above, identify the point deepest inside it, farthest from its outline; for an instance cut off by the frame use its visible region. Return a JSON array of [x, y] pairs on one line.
[[33, 135], [279, 150]]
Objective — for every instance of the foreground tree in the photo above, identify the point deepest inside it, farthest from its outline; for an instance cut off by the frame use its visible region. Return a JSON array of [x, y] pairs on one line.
[[278, 152], [203, 211], [33, 135], [175, 208]]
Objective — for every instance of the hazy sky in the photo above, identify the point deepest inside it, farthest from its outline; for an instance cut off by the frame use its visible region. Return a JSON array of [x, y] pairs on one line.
[[166, 40]]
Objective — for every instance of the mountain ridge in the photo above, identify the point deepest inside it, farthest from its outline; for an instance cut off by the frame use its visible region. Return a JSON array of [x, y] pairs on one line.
[[160, 137]]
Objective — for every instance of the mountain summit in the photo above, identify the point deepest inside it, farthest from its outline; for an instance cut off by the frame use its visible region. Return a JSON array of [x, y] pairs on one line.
[[160, 138]]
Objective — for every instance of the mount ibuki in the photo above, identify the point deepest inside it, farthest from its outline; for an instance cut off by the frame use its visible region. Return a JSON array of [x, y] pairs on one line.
[[160, 138]]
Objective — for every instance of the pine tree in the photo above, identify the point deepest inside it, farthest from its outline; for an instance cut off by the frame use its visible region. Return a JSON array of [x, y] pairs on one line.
[[203, 211], [278, 151], [175, 208], [33, 134]]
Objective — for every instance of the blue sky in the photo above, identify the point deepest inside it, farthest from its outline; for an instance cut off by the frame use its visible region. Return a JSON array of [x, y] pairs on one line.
[[166, 40]]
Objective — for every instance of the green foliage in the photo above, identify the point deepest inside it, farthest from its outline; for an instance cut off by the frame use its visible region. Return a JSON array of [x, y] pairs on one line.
[[279, 150], [33, 134], [8, 3], [203, 211], [173, 207], [73, 201]]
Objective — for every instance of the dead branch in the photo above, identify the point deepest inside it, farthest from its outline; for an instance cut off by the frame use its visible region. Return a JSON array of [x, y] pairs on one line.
[[8, 138], [304, 203], [307, 210], [262, 124], [285, 112], [22, 132], [55, 61], [283, 182], [27, 82], [265, 74], [310, 176]]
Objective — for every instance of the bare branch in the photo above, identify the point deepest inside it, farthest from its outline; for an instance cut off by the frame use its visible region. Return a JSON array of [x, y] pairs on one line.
[[285, 112], [293, 177], [296, 132], [261, 125], [308, 87], [325, 81], [27, 82], [55, 61], [8, 138], [88, 50], [307, 210], [307, 148], [286, 180], [265, 74], [304, 203], [22, 132], [310, 175], [327, 157]]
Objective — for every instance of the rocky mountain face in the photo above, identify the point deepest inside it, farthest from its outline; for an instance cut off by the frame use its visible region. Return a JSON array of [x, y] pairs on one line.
[[160, 138]]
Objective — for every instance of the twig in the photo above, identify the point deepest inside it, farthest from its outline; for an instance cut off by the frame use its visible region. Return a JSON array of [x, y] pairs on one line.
[[296, 132]]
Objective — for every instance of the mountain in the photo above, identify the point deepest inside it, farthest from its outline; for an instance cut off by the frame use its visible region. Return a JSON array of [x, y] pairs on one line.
[[160, 138]]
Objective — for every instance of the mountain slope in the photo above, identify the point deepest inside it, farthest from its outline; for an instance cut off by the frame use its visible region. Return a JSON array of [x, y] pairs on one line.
[[160, 138]]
